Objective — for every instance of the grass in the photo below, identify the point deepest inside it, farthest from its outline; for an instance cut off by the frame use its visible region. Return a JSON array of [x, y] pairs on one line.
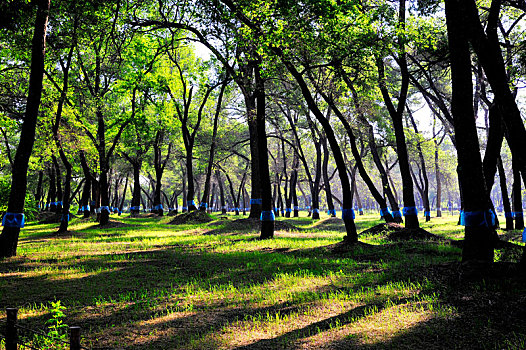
[[145, 284]]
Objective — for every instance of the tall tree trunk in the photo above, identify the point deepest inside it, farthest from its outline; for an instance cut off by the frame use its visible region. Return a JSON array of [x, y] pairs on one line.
[[267, 215], [388, 190], [221, 192], [121, 205], [315, 202], [437, 172], [255, 200], [206, 191], [190, 194], [508, 214], [410, 212], [14, 217], [135, 205], [52, 192], [347, 196], [425, 187], [478, 242], [58, 207], [86, 193], [66, 204], [39, 192], [347, 211], [185, 201], [326, 182], [213, 207], [516, 194]]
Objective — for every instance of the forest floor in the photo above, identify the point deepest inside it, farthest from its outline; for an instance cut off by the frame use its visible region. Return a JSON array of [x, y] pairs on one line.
[[178, 283]]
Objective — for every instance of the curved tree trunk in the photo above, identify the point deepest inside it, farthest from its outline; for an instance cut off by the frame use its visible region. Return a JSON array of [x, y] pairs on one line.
[[348, 217]]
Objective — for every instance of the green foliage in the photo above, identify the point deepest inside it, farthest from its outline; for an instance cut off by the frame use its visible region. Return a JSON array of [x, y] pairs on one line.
[[57, 330], [30, 206]]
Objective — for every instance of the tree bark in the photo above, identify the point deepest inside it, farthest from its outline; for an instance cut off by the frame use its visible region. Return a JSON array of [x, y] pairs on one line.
[[478, 242], [221, 192], [267, 214], [14, 217], [508, 214], [206, 191], [516, 194]]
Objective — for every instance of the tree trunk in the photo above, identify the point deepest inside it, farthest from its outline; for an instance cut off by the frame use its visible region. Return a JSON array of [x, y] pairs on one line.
[[206, 191], [508, 214], [425, 187], [267, 215], [14, 217], [190, 194], [397, 216], [478, 242], [135, 205], [52, 192], [410, 212], [315, 202], [64, 219], [39, 192], [437, 175], [325, 171], [221, 192], [255, 200], [347, 211], [516, 194], [121, 205], [58, 208]]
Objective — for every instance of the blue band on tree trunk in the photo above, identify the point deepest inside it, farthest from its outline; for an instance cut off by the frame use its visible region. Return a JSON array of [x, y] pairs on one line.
[[256, 201], [13, 220], [524, 235], [64, 218], [105, 207], [190, 203], [427, 213], [288, 210], [508, 215], [316, 210], [203, 205], [267, 215], [478, 218], [331, 212], [348, 214], [518, 214], [384, 212], [410, 211], [135, 208], [396, 214]]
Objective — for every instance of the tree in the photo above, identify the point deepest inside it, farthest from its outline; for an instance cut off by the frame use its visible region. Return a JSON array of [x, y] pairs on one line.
[[14, 218]]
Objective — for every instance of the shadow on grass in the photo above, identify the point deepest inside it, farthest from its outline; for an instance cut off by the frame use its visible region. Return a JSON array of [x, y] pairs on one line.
[[113, 292]]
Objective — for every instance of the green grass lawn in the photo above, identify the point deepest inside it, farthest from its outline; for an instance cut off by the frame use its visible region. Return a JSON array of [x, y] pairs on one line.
[[145, 284]]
